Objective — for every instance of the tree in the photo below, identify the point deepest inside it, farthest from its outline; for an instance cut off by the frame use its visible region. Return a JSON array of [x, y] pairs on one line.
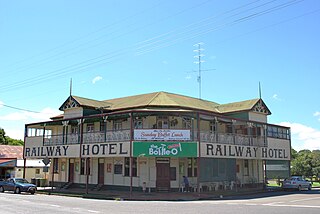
[[3, 140], [14, 142], [306, 163]]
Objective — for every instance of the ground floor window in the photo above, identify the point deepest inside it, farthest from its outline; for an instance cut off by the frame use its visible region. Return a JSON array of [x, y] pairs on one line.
[[55, 165], [192, 167], [82, 166], [127, 167]]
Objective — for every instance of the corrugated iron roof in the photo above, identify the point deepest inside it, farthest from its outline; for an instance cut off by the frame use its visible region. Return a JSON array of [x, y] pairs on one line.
[[7, 151], [163, 99]]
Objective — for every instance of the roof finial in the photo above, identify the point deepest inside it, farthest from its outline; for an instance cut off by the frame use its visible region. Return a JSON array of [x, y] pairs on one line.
[[70, 87], [259, 90]]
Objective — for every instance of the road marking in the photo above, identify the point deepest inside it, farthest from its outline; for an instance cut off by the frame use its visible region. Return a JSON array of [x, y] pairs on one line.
[[293, 205], [305, 199], [93, 211], [54, 205]]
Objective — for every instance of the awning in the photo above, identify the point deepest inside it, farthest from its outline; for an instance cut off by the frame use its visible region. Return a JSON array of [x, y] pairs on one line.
[[8, 162]]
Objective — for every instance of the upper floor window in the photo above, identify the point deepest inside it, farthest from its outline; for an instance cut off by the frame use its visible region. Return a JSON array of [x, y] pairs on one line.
[[102, 126], [90, 127], [138, 124], [186, 122], [74, 129], [162, 122], [117, 125], [278, 132], [212, 127]]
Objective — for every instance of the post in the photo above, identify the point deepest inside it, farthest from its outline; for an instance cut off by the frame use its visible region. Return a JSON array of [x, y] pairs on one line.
[[87, 175], [131, 136], [52, 178], [199, 154]]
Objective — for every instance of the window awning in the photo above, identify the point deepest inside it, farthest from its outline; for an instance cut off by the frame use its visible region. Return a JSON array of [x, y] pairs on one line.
[[8, 162]]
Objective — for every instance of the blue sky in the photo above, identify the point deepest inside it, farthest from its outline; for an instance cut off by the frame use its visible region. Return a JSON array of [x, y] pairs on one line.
[[119, 48]]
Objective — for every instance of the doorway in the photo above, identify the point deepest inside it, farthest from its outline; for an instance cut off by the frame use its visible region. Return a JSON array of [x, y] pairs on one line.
[[163, 175], [101, 171], [71, 171]]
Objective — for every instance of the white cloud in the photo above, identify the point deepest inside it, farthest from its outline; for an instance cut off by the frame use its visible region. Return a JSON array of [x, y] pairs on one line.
[[316, 114], [188, 77], [276, 97], [13, 123], [303, 137], [96, 79]]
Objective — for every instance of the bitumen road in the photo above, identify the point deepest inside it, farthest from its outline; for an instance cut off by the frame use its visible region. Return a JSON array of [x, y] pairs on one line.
[[295, 202]]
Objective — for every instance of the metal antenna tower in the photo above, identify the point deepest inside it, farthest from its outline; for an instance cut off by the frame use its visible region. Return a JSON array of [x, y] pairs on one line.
[[199, 61]]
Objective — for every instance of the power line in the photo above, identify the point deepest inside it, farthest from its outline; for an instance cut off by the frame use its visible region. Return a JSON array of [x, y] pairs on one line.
[[20, 109], [106, 58]]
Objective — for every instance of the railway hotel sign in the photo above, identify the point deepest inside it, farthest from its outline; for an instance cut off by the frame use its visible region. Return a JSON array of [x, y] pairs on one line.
[[246, 152]]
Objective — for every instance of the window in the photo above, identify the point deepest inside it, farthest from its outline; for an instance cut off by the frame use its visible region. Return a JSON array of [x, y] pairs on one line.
[[246, 167], [192, 167], [278, 132], [90, 127], [37, 171], [138, 124], [74, 129], [229, 128], [88, 166], [127, 167], [162, 122], [117, 125], [102, 126], [55, 165], [82, 166], [173, 173], [186, 122], [117, 169], [212, 127]]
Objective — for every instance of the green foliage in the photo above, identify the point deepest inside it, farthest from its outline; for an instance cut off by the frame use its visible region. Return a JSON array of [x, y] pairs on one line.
[[306, 163], [14, 142], [5, 140]]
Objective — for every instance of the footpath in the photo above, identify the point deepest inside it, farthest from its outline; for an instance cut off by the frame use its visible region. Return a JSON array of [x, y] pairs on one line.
[[150, 196]]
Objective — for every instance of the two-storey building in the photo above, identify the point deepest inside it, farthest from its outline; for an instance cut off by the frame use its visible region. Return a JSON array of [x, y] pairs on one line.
[[152, 140]]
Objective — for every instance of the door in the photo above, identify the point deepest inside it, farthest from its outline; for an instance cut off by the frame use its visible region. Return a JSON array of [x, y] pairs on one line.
[[71, 171], [163, 176], [101, 171]]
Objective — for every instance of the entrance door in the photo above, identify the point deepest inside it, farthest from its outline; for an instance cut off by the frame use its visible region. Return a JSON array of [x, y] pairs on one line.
[[163, 176], [101, 171], [71, 171]]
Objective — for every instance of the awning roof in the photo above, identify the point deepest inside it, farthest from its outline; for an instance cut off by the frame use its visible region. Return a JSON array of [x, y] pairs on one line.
[[8, 162]]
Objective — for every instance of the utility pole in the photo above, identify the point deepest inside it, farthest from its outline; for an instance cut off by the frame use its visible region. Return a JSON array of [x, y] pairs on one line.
[[199, 61]]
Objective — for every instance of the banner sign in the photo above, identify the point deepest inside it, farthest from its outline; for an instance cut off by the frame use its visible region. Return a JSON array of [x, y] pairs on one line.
[[244, 152], [165, 149], [162, 134]]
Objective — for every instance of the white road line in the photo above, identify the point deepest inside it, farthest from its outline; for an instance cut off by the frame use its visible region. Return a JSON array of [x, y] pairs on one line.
[[293, 205], [93, 211], [305, 199], [54, 205]]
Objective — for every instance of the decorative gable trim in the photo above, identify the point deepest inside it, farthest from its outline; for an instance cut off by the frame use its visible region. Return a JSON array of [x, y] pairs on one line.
[[260, 107], [69, 103]]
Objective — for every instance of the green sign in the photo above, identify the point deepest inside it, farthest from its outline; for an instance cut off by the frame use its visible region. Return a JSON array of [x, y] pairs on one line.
[[165, 149]]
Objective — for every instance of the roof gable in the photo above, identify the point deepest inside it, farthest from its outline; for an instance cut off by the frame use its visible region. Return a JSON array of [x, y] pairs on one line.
[[255, 105], [75, 101]]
